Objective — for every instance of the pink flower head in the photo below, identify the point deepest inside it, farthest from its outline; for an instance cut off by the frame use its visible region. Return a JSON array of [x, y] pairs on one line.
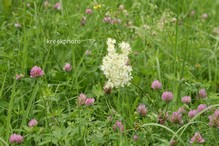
[[16, 138], [89, 101], [19, 76], [197, 138], [36, 72], [186, 99], [121, 7], [181, 110], [46, 4], [118, 126], [213, 121], [28, 5], [87, 52], [67, 67], [115, 21], [205, 16], [88, 11], [118, 21], [192, 13], [81, 99], [192, 113], [57, 6], [216, 113], [167, 96], [202, 93], [201, 107], [176, 117], [107, 19], [162, 118], [32, 123], [17, 25], [135, 137], [173, 143], [216, 30], [142, 110], [156, 85]]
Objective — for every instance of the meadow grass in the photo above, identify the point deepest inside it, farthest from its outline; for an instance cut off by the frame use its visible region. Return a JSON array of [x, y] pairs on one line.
[[173, 41]]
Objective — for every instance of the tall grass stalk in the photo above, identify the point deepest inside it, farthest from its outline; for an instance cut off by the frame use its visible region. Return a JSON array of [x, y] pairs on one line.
[[30, 104], [10, 108]]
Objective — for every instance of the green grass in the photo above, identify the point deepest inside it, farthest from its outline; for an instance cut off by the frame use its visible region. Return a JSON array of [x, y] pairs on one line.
[[182, 53]]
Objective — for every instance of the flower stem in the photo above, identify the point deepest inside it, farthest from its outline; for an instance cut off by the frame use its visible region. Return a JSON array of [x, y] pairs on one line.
[[146, 95]]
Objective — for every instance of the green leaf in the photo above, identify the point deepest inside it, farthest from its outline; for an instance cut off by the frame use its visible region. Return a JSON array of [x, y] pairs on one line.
[[7, 3], [97, 90], [57, 133], [98, 138]]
